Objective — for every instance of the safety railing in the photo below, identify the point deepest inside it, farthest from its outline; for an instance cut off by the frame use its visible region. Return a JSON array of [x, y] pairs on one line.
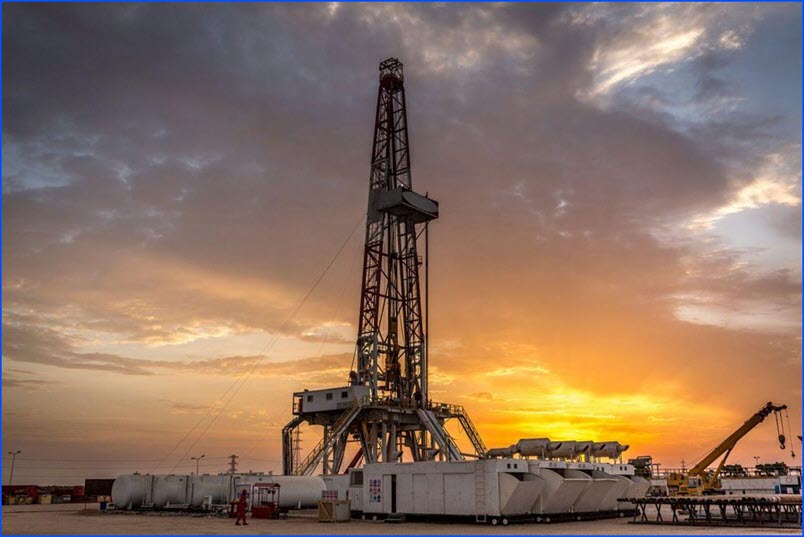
[[312, 458]]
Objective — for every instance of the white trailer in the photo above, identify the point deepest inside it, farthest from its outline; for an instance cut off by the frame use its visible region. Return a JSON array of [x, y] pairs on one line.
[[592, 498], [560, 491], [496, 490], [785, 484]]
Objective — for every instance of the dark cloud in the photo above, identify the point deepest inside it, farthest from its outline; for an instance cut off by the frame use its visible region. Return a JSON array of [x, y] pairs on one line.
[[36, 345], [26, 384], [208, 138], [47, 347], [179, 171]]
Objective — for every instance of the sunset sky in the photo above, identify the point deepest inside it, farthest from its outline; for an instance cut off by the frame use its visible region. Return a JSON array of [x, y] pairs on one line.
[[618, 255]]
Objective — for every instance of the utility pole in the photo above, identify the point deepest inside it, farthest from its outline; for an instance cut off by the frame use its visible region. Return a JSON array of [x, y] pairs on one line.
[[197, 462], [756, 461], [233, 464], [13, 458]]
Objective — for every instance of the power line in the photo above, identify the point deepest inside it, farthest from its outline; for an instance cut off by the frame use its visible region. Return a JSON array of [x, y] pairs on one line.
[[52, 459], [240, 382], [90, 461]]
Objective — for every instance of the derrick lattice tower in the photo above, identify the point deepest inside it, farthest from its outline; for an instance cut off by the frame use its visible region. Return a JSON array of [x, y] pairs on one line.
[[384, 410]]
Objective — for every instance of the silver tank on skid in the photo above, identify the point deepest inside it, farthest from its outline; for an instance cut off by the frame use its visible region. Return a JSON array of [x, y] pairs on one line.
[[132, 491]]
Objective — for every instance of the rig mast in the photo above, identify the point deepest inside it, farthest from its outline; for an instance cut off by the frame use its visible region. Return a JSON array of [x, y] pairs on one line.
[[391, 264], [385, 408]]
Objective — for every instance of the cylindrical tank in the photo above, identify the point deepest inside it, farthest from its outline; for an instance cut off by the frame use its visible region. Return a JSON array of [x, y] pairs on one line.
[[502, 452], [583, 447], [611, 450], [295, 492], [129, 491], [536, 447], [169, 490], [566, 450], [216, 486], [132, 490]]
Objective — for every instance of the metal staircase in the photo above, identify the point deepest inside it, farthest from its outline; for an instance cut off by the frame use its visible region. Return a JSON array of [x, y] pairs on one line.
[[312, 459], [436, 428], [472, 433]]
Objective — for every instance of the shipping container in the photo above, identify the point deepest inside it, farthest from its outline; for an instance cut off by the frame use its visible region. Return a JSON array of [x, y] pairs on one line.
[[98, 487]]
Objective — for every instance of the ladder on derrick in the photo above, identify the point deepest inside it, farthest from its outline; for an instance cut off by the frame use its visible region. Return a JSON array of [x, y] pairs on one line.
[[480, 492]]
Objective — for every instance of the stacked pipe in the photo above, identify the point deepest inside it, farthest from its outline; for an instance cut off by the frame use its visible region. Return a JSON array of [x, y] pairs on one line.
[[721, 498]]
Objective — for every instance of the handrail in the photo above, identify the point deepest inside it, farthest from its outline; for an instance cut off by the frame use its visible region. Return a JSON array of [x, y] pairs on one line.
[[311, 460], [472, 433]]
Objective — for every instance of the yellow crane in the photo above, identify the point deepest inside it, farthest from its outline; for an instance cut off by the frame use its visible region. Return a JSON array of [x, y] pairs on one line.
[[698, 480]]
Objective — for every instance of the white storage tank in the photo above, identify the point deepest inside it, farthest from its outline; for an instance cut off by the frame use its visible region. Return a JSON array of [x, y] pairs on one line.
[[218, 487], [169, 490], [133, 490], [295, 492], [130, 491]]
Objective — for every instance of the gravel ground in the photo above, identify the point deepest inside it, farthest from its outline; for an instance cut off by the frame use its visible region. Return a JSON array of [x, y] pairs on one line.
[[75, 519]]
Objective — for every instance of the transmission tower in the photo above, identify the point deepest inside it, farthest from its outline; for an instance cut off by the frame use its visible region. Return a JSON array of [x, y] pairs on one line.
[[233, 464], [385, 409]]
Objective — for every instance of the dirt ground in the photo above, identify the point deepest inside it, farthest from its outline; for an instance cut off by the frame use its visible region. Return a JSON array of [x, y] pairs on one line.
[[75, 519]]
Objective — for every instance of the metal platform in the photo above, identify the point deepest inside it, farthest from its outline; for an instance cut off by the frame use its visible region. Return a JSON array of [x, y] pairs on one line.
[[376, 418], [732, 511]]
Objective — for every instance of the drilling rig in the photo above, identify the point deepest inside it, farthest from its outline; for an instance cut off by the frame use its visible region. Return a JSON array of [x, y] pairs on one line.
[[385, 408]]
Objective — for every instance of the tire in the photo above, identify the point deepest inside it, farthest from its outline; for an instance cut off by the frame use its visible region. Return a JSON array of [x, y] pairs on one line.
[[494, 521], [505, 522]]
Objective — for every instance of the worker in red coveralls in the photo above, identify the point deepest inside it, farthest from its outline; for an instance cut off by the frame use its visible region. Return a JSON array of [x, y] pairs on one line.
[[242, 503]]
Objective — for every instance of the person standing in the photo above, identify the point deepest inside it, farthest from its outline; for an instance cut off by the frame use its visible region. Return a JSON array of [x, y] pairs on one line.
[[242, 503]]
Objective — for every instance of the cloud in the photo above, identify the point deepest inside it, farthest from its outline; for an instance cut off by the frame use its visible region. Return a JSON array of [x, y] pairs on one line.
[[508, 371], [36, 345], [169, 201], [659, 36], [776, 183], [26, 384]]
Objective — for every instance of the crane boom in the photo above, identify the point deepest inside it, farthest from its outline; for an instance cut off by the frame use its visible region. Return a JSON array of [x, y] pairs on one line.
[[728, 444]]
